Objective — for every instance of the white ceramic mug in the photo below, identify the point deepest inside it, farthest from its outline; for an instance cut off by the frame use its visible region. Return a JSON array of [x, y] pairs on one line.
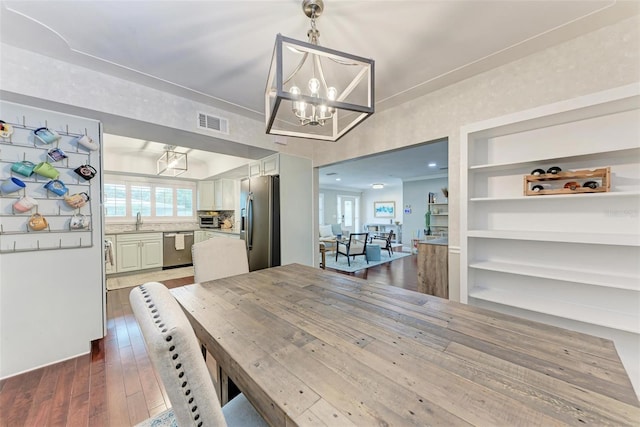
[[79, 221], [25, 204], [87, 142], [46, 135]]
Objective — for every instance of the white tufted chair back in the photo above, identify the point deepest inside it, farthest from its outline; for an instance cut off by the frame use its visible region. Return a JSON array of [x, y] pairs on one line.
[[219, 257]]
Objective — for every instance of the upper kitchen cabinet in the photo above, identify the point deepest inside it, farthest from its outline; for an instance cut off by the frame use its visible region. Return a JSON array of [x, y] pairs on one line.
[[268, 166], [225, 194], [206, 199]]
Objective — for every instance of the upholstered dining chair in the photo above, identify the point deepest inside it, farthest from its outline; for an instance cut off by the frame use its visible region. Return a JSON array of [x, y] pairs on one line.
[[356, 245], [174, 351], [219, 257], [385, 244]]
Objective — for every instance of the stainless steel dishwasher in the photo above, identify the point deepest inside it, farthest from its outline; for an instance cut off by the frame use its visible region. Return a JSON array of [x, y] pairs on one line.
[[176, 248]]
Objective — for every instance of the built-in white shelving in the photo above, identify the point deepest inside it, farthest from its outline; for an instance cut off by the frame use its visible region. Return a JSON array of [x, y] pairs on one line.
[[555, 236], [556, 197], [534, 163], [567, 256], [588, 277], [628, 322]]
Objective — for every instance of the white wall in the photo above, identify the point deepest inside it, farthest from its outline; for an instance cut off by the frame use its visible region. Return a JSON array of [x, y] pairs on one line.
[[603, 59], [387, 194], [296, 211], [331, 204], [415, 194], [27, 77], [51, 301]]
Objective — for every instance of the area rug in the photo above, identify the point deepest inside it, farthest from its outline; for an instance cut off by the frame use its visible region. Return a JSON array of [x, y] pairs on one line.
[[132, 280], [359, 263]]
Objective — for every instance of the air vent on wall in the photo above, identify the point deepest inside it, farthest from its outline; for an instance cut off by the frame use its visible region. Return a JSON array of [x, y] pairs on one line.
[[213, 123]]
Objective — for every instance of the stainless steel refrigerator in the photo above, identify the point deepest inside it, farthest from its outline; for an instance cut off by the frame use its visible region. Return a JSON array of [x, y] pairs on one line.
[[260, 225]]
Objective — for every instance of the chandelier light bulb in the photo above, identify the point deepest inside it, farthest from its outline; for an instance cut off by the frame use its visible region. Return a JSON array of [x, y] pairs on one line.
[[314, 86], [332, 93]]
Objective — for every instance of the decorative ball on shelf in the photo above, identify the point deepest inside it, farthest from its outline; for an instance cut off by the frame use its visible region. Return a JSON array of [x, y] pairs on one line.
[[537, 188], [554, 170], [590, 184], [538, 172], [572, 185]]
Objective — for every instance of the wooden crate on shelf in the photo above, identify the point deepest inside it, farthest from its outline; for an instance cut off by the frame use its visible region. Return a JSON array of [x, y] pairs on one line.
[[601, 175]]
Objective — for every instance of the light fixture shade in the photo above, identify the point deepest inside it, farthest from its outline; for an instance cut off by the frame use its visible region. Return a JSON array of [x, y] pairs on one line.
[[172, 163], [349, 79]]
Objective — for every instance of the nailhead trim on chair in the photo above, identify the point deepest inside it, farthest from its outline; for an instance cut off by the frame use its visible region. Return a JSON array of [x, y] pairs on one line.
[[175, 354]]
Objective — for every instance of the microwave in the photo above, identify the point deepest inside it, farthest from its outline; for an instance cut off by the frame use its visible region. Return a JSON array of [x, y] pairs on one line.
[[209, 221]]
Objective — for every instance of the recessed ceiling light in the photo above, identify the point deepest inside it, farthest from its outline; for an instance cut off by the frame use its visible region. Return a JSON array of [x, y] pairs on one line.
[[338, 179], [377, 186], [432, 165]]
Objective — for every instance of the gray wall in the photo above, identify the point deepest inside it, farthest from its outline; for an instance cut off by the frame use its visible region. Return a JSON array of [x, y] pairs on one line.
[[415, 196], [331, 205]]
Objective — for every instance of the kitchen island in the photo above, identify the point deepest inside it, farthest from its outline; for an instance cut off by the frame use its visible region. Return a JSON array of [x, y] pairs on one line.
[[433, 267]]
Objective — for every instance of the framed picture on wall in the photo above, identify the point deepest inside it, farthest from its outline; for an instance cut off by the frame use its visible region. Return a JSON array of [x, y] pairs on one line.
[[384, 209]]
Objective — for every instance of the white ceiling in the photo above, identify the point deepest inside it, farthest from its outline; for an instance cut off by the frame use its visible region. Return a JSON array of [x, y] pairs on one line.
[[218, 52], [391, 168]]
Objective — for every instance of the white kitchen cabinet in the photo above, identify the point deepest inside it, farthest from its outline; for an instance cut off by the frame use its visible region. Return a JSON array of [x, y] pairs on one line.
[[267, 166], [108, 267], [567, 257], [206, 197], [138, 251], [225, 197], [199, 236], [271, 165], [255, 168]]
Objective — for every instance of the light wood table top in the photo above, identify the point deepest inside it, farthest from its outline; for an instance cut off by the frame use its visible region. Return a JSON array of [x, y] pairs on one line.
[[311, 347]]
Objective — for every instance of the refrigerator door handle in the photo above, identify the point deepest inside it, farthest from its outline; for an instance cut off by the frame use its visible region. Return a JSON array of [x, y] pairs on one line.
[[249, 235]]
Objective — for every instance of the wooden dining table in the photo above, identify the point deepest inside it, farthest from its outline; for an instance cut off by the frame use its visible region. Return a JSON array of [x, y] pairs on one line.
[[311, 347]]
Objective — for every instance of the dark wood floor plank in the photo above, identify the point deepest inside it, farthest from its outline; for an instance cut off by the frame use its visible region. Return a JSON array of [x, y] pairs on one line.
[[137, 408], [19, 407], [78, 410], [62, 397], [43, 399], [116, 393], [98, 413]]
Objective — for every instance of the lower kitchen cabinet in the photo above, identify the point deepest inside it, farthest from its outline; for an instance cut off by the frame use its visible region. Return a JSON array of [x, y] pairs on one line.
[[110, 265], [138, 251], [199, 236]]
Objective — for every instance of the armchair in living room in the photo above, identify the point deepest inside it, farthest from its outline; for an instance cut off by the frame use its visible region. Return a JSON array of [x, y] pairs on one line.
[[385, 244], [356, 245]]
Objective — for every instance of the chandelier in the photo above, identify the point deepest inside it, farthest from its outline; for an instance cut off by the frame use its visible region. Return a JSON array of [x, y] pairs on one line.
[[316, 92], [171, 163]]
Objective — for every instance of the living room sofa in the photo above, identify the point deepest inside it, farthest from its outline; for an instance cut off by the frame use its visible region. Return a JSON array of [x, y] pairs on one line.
[[329, 233]]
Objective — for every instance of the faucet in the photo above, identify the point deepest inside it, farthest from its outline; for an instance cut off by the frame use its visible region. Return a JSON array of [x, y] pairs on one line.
[[138, 221]]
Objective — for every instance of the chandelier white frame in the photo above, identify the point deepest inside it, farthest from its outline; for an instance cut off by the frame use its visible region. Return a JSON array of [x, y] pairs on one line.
[[316, 100]]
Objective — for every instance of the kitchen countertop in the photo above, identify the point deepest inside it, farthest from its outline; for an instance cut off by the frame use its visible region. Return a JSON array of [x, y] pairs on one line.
[[215, 230], [222, 230], [443, 241]]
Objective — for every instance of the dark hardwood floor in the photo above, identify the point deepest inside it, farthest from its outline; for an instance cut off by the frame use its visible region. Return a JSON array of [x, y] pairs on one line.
[[116, 385]]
